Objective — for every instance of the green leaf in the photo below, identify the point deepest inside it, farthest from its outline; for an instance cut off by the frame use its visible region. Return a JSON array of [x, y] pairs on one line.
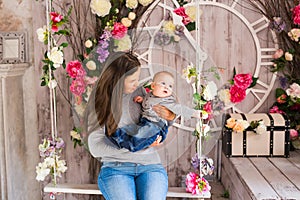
[[234, 72], [191, 26], [279, 92], [65, 44], [80, 57], [254, 81]]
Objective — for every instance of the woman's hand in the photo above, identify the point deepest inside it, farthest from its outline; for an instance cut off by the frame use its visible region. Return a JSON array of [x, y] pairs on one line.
[[164, 112]]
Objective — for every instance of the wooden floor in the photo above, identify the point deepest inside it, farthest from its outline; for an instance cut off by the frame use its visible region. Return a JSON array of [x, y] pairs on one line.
[[261, 177]]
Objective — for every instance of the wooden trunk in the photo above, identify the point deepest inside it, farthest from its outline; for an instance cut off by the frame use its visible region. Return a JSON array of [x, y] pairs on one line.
[[274, 142]]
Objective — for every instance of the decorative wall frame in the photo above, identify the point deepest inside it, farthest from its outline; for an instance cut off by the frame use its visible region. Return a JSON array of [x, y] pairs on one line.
[[12, 47]]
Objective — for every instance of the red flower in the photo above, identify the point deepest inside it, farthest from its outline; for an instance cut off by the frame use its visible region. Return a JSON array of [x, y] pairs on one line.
[[208, 108], [281, 99], [55, 17], [242, 81], [75, 69], [237, 94], [296, 15], [181, 12], [119, 30]]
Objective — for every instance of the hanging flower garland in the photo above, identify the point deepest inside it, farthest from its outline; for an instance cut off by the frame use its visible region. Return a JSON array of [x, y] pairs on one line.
[[51, 147]]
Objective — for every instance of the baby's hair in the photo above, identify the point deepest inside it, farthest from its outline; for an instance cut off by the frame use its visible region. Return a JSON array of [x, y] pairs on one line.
[[162, 73]]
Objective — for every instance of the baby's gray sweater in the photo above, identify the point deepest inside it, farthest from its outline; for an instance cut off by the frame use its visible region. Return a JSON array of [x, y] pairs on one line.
[[100, 147]]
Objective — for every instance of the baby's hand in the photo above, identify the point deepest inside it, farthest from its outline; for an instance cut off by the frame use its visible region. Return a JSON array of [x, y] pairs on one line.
[[138, 99]]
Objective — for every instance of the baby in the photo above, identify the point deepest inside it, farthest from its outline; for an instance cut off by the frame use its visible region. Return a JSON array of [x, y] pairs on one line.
[[135, 137]]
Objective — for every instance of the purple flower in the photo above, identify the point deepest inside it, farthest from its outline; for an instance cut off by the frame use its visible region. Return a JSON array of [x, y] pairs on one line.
[[106, 35], [59, 143], [103, 54], [283, 82], [103, 44], [195, 161], [277, 24]]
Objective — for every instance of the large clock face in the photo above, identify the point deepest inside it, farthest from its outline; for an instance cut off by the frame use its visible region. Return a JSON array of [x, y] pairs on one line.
[[232, 35]]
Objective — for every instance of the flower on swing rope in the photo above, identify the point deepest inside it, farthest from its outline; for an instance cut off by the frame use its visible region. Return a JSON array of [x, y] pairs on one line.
[[195, 184], [56, 56]]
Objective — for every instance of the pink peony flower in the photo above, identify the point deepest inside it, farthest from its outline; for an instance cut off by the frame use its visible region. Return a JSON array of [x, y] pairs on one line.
[[275, 109], [242, 81], [296, 15], [293, 134], [78, 86], [119, 30], [75, 69], [181, 12], [195, 184], [237, 94]]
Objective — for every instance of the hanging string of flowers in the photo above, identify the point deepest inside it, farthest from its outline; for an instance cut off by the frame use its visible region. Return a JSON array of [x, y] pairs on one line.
[[51, 146]]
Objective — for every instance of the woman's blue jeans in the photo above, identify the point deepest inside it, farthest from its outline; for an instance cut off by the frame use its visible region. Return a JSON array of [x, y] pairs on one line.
[[130, 181]]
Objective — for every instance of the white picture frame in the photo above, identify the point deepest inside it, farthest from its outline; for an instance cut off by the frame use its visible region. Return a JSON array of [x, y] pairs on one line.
[[12, 47]]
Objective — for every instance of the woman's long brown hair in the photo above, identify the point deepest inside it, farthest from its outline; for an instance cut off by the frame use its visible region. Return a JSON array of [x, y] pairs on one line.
[[110, 87]]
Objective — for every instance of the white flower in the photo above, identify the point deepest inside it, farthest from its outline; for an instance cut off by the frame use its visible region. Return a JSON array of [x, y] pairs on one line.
[[203, 129], [288, 56], [131, 15], [261, 129], [44, 146], [210, 91], [100, 7], [123, 44], [91, 65], [42, 171], [176, 38], [126, 21], [293, 91], [42, 34], [191, 12], [61, 167], [245, 124], [49, 161], [204, 114], [75, 135], [224, 95], [145, 2], [132, 4], [88, 44], [294, 34], [186, 73], [169, 27], [56, 56], [88, 94], [52, 84]]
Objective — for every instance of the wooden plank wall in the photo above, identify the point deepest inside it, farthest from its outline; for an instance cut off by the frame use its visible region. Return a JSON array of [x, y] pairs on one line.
[[228, 44]]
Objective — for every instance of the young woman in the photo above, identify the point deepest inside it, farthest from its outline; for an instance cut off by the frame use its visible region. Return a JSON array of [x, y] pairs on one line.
[[124, 174]]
